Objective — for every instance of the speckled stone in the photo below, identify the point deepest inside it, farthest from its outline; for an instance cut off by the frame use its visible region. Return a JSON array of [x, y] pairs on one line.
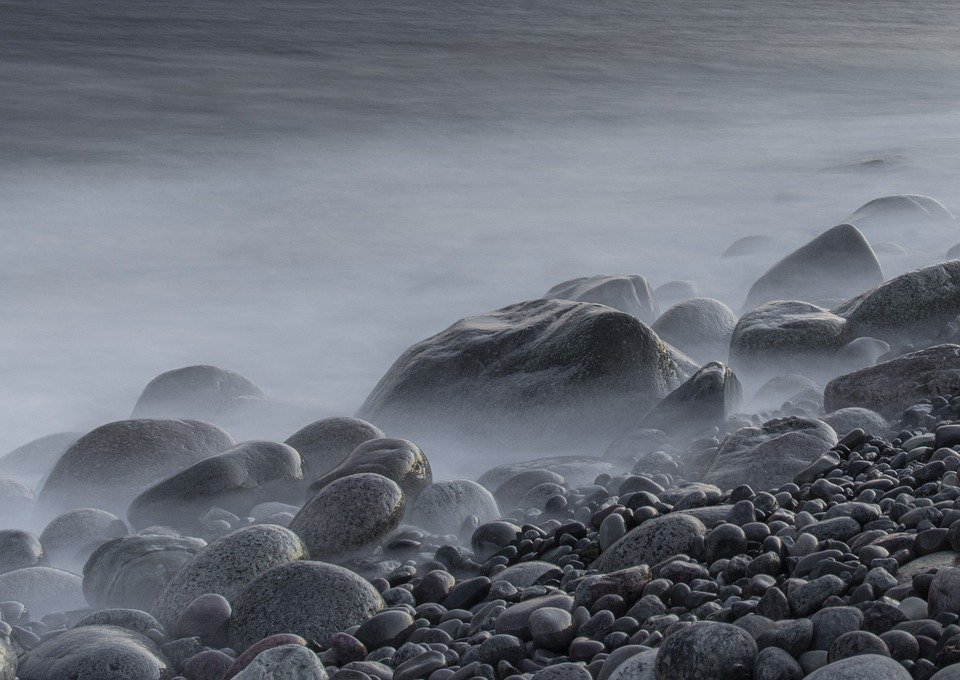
[[654, 541]]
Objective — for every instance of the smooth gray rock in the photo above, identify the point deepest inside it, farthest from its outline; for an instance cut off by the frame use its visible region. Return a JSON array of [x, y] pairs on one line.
[[552, 628], [700, 327], [396, 459], [630, 447], [206, 617], [525, 574], [780, 388], [641, 666], [755, 244], [860, 353], [198, 392], [130, 572], [19, 549], [226, 566], [563, 671], [540, 372], [846, 419], [324, 444], [514, 488], [862, 667], [107, 467], [36, 458], [672, 292], [699, 651], [708, 398], [944, 595], [653, 541], [132, 619], [892, 386], [17, 501], [768, 456], [349, 516], [630, 294], [236, 480], [575, 470], [310, 599], [286, 662], [443, 507], [774, 663], [96, 653], [69, 539], [43, 590]]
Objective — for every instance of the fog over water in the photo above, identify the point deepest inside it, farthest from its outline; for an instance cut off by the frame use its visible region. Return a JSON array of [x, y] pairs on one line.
[[298, 191]]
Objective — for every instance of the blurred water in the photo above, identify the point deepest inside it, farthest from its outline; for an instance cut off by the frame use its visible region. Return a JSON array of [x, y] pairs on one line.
[[299, 190]]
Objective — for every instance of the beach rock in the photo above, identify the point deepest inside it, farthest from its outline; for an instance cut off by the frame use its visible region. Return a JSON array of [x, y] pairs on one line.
[[443, 507], [630, 447], [19, 549], [324, 444], [310, 599], [672, 292], [108, 467], [708, 398], [36, 458], [754, 244], [132, 619], [768, 456], [199, 392], [17, 501], [563, 671], [778, 389], [846, 419], [699, 327], [514, 488], [537, 372], [525, 574], [901, 210], [707, 651], [287, 662], [653, 541], [630, 294], [641, 666], [860, 353], [399, 460], [43, 590], [837, 264], [130, 572], [236, 480], [576, 470], [911, 307], [226, 566], [349, 515], [861, 667], [206, 617], [69, 539], [786, 336], [892, 386]]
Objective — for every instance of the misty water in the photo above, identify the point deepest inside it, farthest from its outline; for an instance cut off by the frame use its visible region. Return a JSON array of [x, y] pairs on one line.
[[298, 191]]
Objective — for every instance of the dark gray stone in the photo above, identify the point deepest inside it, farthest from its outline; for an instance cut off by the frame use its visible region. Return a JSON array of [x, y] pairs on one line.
[[630, 294], [286, 662], [443, 507], [653, 541], [846, 419], [132, 619], [708, 398], [397, 459], [69, 539], [707, 651], [199, 392], [700, 327], [19, 549], [862, 667], [324, 444]]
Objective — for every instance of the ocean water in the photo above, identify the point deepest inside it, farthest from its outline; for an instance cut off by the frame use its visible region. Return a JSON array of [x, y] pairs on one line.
[[299, 190]]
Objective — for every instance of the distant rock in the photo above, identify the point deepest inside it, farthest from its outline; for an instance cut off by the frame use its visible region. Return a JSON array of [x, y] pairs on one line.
[[198, 392], [69, 539], [514, 488], [396, 459], [846, 419], [236, 480], [890, 387], [19, 549], [630, 294], [36, 458], [699, 327], [769, 456], [673, 292], [310, 599], [781, 388], [954, 253], [544, 372], [108, 467], [628, 448], [17, 501], [860, 353], [711, 395], [324, 444], [443, 507], [576, 470], [835, 265], [750, 245], [902, 210], [889, 248], [43, 590]]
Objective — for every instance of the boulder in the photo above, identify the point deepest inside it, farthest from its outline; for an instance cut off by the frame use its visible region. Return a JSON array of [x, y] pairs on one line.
[[349, 516], [911, 307], [832, 267], [699, 327], [755, 244], [310, 599], [901, 210], [653, 541], [131, 619], [443, 507], [514, 488], [630, 447], [630, 294], [130, 572], [42, 590], [324, 444], [226, 566], [396, 459], [69, 539], [95, 653], [286, 662], [778, 389], [708, 398], [640, 666], [199, 392], [576, 470], [672, 292], [860, 353], [19, 549], [861, 667], [108, 467], [846, 419], [34, 459], [892, 386], [537, 372], [699, 651], [236, 480], [768, 456]]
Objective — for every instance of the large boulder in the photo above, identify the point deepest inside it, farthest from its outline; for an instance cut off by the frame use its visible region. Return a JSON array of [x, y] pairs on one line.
[[349, 516], [310, 599], [199, 392], [324, 444], [631, 294], [707, 650], [36, 458], [95, 653], [108, 467], [832, 267], [901, 210], [911, 307], [69, 539], [768, 456], [653, 541], [226, 566], [396, 459], [853, 417], [892, 386], [236, 480], [786, 336], [861, 667], [443, 507], [43, 590], [534, 372], [699, 327], [130, 572], [706, 399]]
